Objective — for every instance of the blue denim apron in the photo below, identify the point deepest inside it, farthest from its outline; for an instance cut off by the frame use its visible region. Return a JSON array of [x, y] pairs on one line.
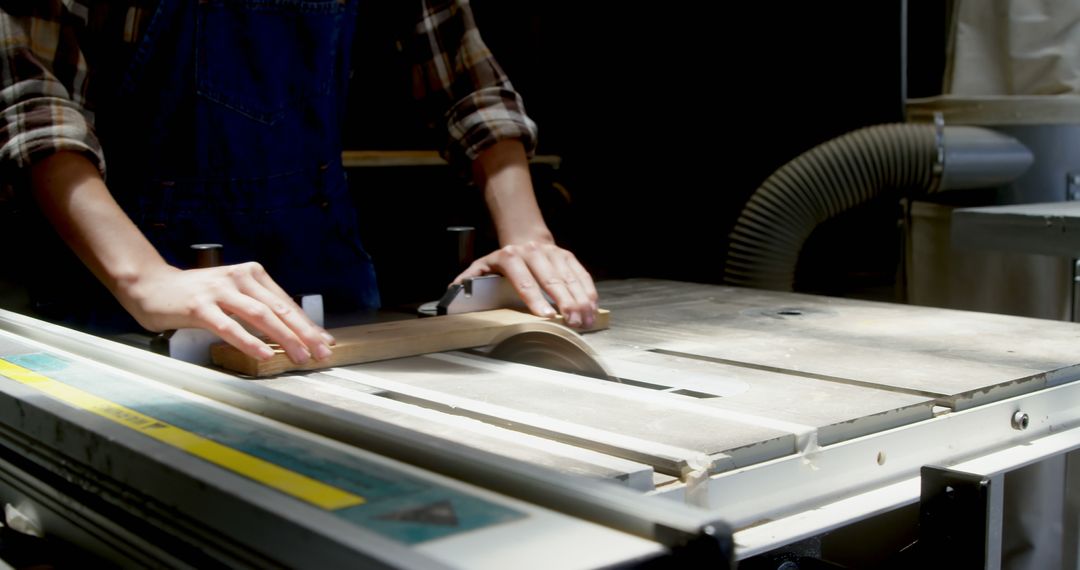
[[226, 129]]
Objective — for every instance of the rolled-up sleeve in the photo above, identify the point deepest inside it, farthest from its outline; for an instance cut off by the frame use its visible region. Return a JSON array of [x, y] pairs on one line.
[[42, 81], [455, 69]]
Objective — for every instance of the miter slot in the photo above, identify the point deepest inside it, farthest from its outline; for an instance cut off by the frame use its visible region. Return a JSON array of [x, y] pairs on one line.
[[663, 388], [663, 430], [962, 358], [835, 410], [366, 401], [665, 459], [767, 368], [641, 384], [694, 394]]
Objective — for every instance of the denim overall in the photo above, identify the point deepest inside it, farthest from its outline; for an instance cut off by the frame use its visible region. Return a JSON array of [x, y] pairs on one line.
[[226, 130]]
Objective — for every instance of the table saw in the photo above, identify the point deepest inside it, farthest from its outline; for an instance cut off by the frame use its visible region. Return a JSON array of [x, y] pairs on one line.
[[787, 418]]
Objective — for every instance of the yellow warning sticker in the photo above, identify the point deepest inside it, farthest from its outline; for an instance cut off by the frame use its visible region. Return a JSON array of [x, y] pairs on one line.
[[289, 482]]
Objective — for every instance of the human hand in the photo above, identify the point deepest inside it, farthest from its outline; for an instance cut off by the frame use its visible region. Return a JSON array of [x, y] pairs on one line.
[[170, 298], [73, 196], [555, 270]]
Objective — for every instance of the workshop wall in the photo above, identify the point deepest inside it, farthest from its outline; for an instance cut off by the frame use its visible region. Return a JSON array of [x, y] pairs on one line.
[[666, 119]]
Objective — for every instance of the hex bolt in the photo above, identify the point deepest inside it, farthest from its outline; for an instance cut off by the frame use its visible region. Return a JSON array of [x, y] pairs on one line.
[[1020, 421]]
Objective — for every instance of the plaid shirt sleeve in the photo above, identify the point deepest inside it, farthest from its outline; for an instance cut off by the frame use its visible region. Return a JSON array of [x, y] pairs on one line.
[[43, 82], [454, 69]]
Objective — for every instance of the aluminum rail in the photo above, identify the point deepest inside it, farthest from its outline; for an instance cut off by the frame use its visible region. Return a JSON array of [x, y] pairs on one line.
[[691, 533]]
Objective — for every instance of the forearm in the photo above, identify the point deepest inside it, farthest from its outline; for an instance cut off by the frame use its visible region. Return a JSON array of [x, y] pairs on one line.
[[503, 172], [74, 198], [70, 192], [529, 257]]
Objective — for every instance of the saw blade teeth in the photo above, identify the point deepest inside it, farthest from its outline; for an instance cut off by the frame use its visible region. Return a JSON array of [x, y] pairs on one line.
[[551, 346]]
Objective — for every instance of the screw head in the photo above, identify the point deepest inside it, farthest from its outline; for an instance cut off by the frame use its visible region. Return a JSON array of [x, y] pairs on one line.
[[1020, 421]]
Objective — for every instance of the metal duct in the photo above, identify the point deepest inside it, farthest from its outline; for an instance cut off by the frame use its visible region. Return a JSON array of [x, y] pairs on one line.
[[852, 169]]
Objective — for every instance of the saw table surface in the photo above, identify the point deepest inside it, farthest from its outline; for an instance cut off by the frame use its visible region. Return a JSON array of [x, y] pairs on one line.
[[717, 378], [958, 357], [783, 415]]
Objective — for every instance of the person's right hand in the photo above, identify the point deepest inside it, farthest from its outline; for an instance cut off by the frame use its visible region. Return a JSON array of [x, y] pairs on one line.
[[170, 298], [72, 195]]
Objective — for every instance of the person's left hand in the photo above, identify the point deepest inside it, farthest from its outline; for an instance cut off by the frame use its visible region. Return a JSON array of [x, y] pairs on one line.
[[535, 266]]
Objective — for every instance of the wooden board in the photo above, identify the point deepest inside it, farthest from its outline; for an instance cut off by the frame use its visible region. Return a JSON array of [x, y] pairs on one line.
[[383, 341]]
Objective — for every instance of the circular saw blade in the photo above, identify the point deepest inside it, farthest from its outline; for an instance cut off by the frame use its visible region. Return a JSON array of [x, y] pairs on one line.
[[551, 346]]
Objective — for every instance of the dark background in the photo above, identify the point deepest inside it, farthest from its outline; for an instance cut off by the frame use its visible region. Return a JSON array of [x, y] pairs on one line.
[[666, 117]]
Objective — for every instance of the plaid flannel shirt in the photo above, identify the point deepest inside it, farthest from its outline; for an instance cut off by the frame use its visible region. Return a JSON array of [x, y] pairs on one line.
[[48, 90]]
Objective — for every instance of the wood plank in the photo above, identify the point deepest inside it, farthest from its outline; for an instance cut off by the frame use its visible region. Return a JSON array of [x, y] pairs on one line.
[[383, 341]]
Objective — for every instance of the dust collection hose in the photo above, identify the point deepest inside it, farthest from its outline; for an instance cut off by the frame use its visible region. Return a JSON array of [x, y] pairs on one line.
[[890, 160]]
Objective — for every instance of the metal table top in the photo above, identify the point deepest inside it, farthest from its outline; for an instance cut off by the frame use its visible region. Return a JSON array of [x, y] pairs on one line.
[[719, 378], [1051, 228]]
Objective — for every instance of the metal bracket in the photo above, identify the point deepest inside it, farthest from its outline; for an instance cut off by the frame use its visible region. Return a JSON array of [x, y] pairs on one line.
[[960, 518], [1072, 186], [1072, 192], [713, 546], [482, 293], [1074, 302], [939, 144]]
